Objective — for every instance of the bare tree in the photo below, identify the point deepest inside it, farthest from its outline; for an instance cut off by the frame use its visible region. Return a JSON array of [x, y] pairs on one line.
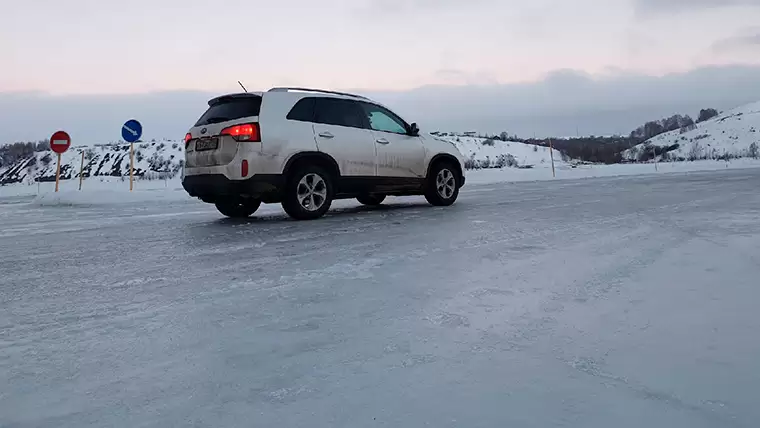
[[695, 152], [753, 151]]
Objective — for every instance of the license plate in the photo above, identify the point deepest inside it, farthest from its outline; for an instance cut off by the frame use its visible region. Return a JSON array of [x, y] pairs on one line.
[[207, 144]]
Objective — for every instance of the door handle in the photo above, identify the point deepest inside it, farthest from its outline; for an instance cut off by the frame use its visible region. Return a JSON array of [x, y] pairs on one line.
[[382, 141], [326, 134]]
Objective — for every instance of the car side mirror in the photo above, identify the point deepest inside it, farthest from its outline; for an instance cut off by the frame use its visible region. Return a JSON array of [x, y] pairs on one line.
[[414, 130]]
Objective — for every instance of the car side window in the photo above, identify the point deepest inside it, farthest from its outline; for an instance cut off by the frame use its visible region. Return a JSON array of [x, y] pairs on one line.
[[303, 110], [337, 111], [382, 119]]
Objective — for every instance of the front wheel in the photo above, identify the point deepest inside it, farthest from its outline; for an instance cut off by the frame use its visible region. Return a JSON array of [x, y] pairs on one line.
[[238, 208], [371, 200], [442, 187], [308, 193]]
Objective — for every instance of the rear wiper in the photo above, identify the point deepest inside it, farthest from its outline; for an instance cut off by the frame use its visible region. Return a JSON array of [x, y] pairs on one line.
[[216, 119]]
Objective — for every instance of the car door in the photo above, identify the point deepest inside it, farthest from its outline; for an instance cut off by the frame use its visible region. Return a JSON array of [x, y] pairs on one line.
[[341, 131], [399, 154]]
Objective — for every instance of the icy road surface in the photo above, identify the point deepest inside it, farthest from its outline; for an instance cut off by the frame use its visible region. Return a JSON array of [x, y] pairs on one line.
[[623, 302]]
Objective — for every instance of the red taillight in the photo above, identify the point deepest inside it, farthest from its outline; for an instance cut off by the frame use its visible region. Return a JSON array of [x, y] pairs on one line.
[[244, 168], [243, 132], [188, 137]]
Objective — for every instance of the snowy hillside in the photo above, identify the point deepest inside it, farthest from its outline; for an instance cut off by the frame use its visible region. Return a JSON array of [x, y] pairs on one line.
[[165, 157], [487, 153], [735, 133], [159, 157]]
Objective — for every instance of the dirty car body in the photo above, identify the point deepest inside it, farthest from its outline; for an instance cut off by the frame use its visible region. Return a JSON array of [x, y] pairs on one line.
[[249, 146]]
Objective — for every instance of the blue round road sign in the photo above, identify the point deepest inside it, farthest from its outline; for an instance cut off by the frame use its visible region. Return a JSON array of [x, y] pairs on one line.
[[131, 131]]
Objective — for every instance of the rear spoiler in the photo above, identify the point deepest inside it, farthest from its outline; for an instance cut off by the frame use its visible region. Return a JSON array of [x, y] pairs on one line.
[[228, 97]]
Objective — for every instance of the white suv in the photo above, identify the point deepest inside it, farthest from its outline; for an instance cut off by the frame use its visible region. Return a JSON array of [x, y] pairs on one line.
[[305, 147]]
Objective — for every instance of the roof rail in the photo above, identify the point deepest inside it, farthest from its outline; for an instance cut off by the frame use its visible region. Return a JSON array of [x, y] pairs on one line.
[[287, 89]]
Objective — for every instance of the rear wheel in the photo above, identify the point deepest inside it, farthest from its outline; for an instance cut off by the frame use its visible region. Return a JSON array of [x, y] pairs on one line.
[[372, 200], [308, 193], [442, 187], [241, 208]]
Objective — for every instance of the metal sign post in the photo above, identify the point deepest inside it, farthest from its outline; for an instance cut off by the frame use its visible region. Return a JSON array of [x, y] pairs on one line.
[[81, 171], [131, 132], [131, 165]]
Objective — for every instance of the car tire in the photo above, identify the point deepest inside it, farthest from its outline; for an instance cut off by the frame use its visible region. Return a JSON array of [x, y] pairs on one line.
[[308, 193], [442, 187], [371, 200], [238, 208]]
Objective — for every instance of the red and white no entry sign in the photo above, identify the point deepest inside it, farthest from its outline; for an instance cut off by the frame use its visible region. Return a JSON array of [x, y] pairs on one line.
[[60, 142]]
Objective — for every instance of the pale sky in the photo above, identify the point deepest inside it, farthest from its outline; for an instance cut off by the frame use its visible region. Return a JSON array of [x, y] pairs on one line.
[[136, 46], [543, 67]]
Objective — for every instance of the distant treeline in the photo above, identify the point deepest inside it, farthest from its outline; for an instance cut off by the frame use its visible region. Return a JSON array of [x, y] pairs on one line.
[[610, 149], [591, 149], [12, 153]]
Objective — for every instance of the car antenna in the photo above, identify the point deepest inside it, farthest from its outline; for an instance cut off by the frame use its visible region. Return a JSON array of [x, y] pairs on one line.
[[241, 85]]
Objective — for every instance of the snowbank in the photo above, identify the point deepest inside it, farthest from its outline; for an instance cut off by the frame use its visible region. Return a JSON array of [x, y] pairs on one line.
[[77, 198], [565, 172], [117, 192], [97, 184]]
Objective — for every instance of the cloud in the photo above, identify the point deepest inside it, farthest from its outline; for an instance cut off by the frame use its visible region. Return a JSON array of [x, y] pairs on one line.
[[98, 118], [563, 103], [653, 7], [396, 8], [418, 4], [748, 39], [459, 77], [567, 100]]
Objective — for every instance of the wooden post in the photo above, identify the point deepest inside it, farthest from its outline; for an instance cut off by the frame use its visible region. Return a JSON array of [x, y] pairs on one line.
[[81, 171], [551, 153], [131, 165], [654, 152], [58, 172]]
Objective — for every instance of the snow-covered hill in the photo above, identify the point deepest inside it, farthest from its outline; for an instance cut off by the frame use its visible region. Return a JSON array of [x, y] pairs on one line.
[[487, 153], [735, 133], [151, 158], [165, 157]]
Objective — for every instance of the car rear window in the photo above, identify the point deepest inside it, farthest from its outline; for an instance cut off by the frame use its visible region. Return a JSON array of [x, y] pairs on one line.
[[230, 109]]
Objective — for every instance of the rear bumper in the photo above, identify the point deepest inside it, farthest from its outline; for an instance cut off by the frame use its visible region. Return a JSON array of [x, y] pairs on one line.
[[211, 187]]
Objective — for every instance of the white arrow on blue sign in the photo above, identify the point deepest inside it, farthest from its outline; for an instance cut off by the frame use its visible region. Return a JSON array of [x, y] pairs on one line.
[[131, 131]]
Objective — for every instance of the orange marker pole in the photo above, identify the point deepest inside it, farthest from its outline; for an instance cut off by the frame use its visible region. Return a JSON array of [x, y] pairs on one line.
[[58, 172]]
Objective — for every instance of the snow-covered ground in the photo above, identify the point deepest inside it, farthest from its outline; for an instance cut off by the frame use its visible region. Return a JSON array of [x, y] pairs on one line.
[[567, 172], [97, 187], [730, 133], [106, 189], [99, 190], [108, 165], [603, 303]]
